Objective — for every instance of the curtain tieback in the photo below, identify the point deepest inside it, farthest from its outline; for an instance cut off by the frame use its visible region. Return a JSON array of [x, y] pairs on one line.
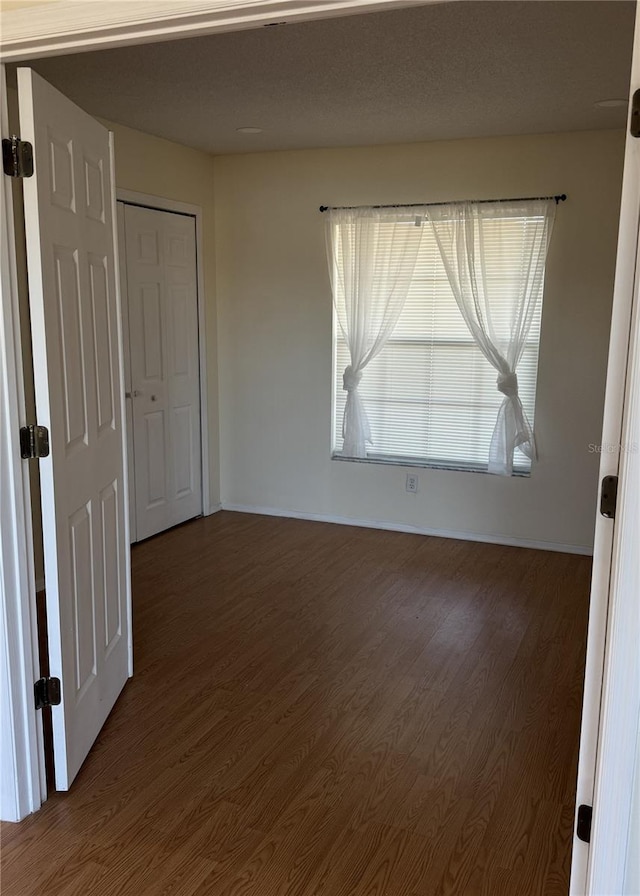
[[508, 384], [351, 379]]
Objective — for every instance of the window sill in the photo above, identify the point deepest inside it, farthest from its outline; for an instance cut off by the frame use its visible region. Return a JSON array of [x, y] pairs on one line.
[[424, 464]]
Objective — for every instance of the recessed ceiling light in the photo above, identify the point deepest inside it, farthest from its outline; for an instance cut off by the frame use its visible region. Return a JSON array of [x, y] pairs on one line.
[[610, 104], [249, 130]]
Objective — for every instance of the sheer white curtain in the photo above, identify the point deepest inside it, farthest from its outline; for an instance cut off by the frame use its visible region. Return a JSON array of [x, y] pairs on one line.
[[470, 236], [372, 255]]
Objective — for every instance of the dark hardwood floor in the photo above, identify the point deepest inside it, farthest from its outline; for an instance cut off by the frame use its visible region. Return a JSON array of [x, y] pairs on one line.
[[320, 710]]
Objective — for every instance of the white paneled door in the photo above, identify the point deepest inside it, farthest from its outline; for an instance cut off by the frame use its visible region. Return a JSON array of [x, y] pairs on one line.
[[76, 332], [162, 297]]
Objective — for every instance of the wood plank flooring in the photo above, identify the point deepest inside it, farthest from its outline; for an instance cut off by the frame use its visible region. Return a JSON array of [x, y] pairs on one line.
[[321, 710]]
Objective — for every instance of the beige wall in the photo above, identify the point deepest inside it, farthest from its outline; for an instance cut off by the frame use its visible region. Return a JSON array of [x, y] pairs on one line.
[[269, 335], [274, 322], [160, 168]]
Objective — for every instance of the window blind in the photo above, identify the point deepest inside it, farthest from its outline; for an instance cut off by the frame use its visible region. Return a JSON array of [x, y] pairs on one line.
[[430, 395]]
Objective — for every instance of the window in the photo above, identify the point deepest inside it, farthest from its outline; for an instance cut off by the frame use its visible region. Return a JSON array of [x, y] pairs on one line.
[[430, 393]]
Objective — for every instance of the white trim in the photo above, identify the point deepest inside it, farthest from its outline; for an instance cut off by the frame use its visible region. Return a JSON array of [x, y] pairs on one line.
[[617, 739], [609, 466], [161, 203], [122, 404], [391, 526], [18, 29], [126, 381], [22, 772], [132, 197], [69, 26]]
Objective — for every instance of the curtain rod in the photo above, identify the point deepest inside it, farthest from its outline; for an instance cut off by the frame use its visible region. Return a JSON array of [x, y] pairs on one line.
[[560, 197]]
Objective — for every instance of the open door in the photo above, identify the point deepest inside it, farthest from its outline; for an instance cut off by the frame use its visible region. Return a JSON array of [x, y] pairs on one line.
[[77, 350], [605, 847]]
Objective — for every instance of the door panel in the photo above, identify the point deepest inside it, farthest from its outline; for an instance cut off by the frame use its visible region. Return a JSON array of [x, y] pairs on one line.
[[162, 298], [151, 319], [156, 493], [183, 468], [103, 339], [79, 397]]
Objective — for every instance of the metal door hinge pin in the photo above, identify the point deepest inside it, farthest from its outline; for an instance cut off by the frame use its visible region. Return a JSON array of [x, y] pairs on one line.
[[34, 441], [47, 692], [17, 157], [609, 496], [583, 826]]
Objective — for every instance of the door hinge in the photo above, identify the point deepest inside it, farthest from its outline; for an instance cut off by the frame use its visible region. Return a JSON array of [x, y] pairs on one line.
[[609, 496], [34, 441], [634, 124], [47, 692], [583, 826], [17, 157]]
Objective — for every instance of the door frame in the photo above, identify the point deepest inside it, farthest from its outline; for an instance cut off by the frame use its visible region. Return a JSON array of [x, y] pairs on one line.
[[23, 784], [603, 597], [159, 203], [68, 26], [56, 37]]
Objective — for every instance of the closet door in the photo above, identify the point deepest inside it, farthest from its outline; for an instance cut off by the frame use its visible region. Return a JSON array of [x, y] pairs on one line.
[[161, 281]]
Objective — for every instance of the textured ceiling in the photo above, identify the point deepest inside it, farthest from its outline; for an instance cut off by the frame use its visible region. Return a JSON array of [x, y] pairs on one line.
[[427, 73]]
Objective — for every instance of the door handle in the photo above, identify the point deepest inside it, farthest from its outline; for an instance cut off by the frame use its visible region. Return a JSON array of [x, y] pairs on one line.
[[133, 394]]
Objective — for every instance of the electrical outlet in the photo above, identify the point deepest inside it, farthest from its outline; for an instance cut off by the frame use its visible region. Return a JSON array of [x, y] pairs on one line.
[[411, 484]]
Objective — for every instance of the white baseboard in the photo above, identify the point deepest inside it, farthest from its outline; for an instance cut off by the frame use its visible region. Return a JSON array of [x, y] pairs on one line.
[[211, 509], [415, 530]]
